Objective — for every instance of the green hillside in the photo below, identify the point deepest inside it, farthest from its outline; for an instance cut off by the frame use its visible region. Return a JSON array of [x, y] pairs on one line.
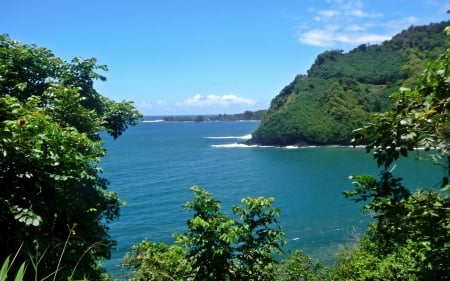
[[341, 89]]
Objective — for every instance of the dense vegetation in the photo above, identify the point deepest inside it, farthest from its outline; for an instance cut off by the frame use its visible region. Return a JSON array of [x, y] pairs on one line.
[[215, 247], [54, 205], [342, 89], [410, 238]]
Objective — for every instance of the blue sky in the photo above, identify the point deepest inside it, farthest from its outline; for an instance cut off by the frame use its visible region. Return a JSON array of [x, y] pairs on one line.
[[207, 56]]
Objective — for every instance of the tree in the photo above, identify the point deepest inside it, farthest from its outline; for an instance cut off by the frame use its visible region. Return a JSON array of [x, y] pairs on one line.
[[152, 261], [257, 242], [301, 267], [53, 200], [215, 247], [409, 238], [209, 237]]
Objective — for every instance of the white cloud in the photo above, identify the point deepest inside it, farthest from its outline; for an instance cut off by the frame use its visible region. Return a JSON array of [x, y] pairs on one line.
[[161, 102], [144, 105], [157, 107], [345, 22], [354, 28], [200, 104], [215, 101], [317, 37], [359, 13], [328, 13]]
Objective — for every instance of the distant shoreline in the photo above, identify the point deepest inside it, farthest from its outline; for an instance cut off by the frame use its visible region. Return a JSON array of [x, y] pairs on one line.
[[245, 116], [193, 121]]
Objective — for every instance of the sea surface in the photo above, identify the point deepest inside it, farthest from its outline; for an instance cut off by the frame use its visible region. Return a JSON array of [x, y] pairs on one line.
[[153, 165]]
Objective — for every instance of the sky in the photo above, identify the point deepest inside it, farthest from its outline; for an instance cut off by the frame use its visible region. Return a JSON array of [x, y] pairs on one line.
[[177, 57]]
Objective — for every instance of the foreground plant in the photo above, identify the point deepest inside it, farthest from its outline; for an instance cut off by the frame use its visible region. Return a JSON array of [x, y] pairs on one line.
[[215, 247], [409, 239], [5, 270], [50, 119]]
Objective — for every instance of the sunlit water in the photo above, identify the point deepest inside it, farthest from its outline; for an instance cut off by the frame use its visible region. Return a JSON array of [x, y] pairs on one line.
[[153, 165]]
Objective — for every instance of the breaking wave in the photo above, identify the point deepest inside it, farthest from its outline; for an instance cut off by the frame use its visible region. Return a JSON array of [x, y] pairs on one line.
[[246, 137], [153, 121], [233, 145]]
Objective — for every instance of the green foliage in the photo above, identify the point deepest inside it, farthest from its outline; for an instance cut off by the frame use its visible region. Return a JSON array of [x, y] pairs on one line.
[[409, 240], [215, 247], [50, 117], [209, 237], [66, 90], [257, 243], [118, 116], [419, 118], [367, 64], [157, 261], [318, 112], [386, 63], [341, 89], [300, 267], [5, 269], [360, 263]]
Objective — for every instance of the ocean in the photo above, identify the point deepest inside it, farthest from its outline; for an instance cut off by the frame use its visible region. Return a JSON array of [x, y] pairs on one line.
[[153, 165]]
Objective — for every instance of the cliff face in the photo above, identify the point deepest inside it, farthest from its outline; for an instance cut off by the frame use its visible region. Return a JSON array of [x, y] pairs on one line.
[[341, 90]]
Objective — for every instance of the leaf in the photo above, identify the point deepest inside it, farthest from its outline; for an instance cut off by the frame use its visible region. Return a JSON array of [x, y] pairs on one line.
[[408, 136], [20, 273], [4, 270]]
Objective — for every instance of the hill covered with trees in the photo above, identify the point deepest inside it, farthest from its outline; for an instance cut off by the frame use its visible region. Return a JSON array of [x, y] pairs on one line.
[[341, 90]]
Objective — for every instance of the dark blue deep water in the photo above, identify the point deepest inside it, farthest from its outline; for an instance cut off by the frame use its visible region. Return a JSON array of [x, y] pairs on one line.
[[153, 165]]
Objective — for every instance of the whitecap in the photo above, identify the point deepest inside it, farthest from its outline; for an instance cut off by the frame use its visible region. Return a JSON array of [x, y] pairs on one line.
[[240, 145], [246, 137], [153, 121], [291, 147], [233, 145], [221, 138]]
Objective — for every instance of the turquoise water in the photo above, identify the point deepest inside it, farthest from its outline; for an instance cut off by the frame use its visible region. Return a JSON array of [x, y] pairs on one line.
[[153, 165]]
